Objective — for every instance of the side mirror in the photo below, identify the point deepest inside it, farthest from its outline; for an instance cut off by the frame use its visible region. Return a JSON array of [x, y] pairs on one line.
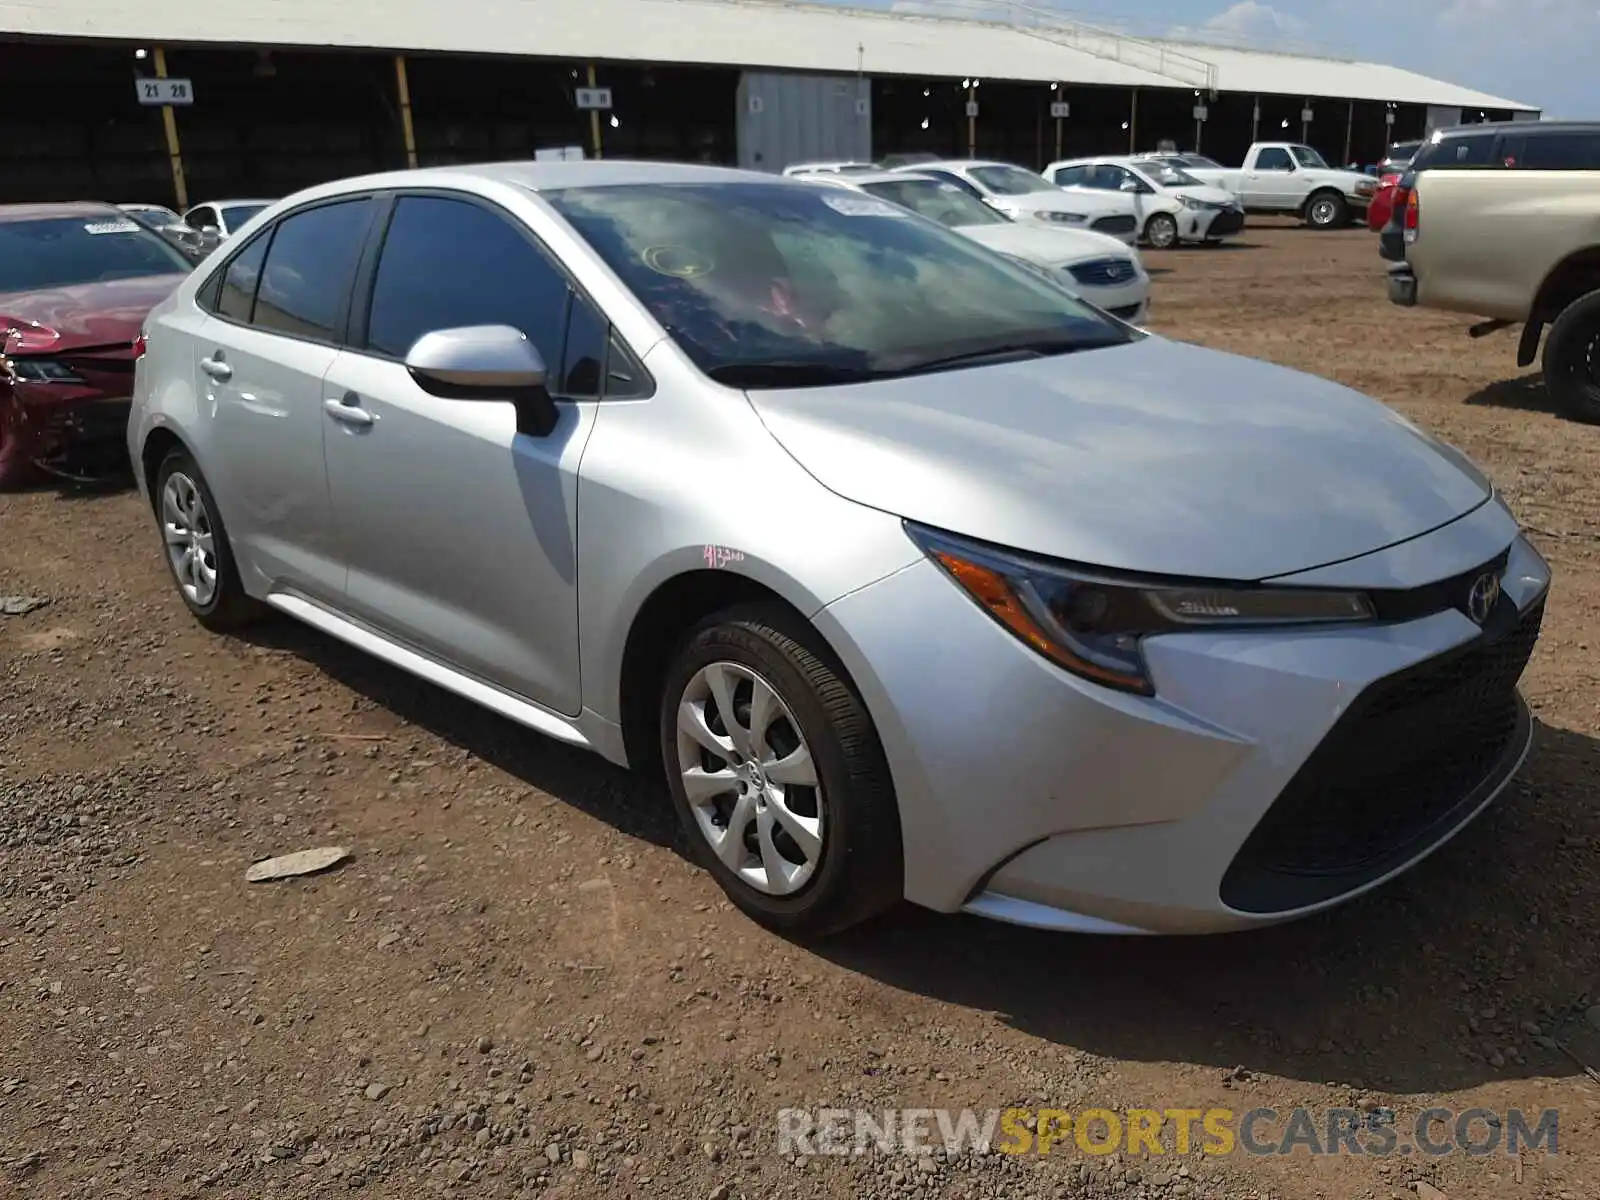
[[486, 362], [1129, 185]]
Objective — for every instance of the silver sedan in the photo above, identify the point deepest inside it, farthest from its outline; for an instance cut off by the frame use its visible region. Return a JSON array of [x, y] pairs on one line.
[[908, 573]]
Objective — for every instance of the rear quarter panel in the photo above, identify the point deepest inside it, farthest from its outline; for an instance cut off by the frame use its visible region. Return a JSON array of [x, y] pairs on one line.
[[1487, 239]]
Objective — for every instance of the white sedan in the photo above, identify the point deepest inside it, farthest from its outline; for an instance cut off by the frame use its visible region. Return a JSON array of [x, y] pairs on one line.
[[1093, 266], [1171, 205], [1027, 196]]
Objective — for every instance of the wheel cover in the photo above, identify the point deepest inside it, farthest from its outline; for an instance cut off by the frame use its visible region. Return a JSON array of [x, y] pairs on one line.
[[191, 545], [749, 778], [1322, 212], [1162, 233]]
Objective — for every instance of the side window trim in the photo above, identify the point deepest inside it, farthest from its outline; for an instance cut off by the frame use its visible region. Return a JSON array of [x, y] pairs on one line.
[[367, 281], [340, 339]]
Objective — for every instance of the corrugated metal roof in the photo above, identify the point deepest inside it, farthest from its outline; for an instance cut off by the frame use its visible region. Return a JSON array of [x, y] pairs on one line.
[[1012, 41]]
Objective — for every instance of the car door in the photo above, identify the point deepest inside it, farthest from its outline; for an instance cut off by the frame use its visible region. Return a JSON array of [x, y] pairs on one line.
[[276, 316], [459, 530], [1269, 182]]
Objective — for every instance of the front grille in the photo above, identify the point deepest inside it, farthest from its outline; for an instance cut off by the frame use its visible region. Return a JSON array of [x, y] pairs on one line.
[[1103, 272], [1229, 220], [1114, 225], [1124, 312], [1412, 757]]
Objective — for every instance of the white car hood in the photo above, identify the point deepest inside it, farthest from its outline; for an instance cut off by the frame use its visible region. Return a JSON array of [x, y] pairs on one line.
[[1051, 201], [1207, 194], [1049, 247]]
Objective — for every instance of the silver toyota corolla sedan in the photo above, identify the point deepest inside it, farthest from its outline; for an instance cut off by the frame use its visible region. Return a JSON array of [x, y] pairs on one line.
[[912, 575]]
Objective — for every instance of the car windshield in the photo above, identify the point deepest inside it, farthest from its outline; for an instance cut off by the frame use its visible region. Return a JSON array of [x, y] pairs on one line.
[[1167, 174], [65, 251], [1196, 160], [1403, 151], [773, 285], [1011, 181], [938, 201], [237, 214], [1306, 156]]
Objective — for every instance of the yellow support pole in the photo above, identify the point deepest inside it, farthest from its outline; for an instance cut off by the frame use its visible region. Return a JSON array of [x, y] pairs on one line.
[[594, 116], [1133, 121], [972, 126], [170, 121], [405, 109]]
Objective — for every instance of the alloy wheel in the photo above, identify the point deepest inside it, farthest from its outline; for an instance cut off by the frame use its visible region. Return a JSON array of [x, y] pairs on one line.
[[1322, 212], [749, 778], [191, 546]]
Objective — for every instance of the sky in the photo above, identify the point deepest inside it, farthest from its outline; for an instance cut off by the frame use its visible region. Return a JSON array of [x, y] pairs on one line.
[[1535, 52]]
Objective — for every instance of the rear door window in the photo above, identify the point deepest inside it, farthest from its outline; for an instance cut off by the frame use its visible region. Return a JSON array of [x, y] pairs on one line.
[[310, 268], [237, 298], [1561, 152]]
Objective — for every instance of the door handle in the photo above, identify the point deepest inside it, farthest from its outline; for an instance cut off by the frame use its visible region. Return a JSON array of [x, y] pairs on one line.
[[216, 368], [348, 412]]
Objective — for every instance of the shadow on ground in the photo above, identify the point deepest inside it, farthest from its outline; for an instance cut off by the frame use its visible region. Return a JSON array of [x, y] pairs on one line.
[[1421, 986], [1525, 393]]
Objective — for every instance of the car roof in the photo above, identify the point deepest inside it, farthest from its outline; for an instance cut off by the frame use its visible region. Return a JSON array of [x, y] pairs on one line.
[[886, 176], [45, 212], [1535, 128], [226, 203], [958, 163]]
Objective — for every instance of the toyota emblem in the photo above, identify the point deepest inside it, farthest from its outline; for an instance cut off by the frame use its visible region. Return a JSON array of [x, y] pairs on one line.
[[1482, 598]]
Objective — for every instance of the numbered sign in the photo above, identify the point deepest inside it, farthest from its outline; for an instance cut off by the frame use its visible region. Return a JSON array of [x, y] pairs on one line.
[[1060, 109], [594, 99], [972, 108], [1305, 115], [165, 91], [1199, 112]]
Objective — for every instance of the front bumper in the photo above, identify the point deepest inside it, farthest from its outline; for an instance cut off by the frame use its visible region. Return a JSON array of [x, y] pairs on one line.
[[1031, 796], [1211, 224], [79, 435], [1402, 283]]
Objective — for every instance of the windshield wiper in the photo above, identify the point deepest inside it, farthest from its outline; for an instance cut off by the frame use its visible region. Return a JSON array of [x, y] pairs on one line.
[[778, 372], [1011, 352]]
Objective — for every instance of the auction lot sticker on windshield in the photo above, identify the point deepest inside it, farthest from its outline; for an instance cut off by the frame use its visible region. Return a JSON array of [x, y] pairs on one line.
[[863, 206], [123, 226]]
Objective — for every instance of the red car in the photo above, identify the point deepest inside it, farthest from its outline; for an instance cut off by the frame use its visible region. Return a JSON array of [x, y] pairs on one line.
[[1390, 169], [76, 281]]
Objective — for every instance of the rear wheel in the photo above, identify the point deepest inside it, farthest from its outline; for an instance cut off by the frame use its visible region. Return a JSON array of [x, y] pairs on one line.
[[1327, 210], [1161, 231], [1572, 360], [196, 546], [778, 775]]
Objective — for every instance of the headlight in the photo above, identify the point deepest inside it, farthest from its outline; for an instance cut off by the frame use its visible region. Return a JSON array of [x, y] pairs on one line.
[[1191, 203], [1093, 623], [1061, 218], [42, 370]]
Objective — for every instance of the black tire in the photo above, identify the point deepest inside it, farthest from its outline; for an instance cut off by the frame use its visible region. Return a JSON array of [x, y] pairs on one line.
[[860, 872], [229, 606], [1572, 360], [1327, 210], [1161, 231]]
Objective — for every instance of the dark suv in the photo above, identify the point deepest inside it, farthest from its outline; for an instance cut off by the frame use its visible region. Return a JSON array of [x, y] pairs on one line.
[[1495, 146]]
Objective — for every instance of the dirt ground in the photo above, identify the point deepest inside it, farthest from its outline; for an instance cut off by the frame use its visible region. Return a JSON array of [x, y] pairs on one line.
[[518, 985]]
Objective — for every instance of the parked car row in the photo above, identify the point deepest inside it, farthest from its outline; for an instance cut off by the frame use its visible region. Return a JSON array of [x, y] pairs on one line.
[[1222, 706], [1502, 221], [201, 228]]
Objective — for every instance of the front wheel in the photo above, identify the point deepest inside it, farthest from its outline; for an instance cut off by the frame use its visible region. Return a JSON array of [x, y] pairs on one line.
[[1327, 210], [1161, 231], [778, 775], [1572, 360]]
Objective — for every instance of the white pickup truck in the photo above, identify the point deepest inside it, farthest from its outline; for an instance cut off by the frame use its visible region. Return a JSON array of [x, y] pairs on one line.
[[1287, 177]]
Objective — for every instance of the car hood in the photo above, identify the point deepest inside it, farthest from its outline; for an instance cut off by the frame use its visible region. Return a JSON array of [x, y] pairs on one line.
[[1345, 179], [1152, 457], [1051, 201], [1046, 246], [1208, 195], [91, 314]]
